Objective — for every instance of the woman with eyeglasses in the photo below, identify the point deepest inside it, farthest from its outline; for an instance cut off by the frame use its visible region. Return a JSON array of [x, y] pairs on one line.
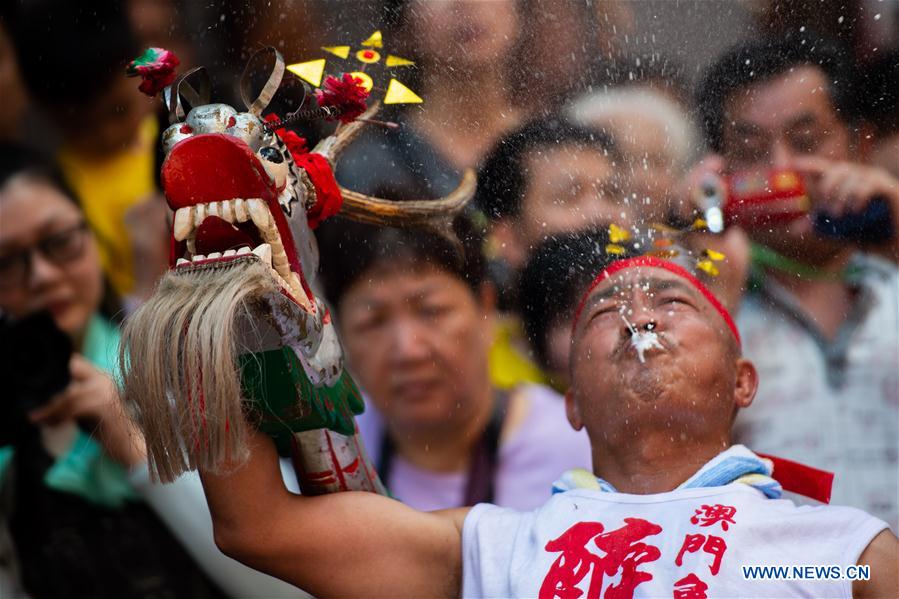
[[72, 461]]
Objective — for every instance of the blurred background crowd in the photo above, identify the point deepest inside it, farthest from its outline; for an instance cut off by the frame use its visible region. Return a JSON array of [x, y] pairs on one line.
[[577, 115]]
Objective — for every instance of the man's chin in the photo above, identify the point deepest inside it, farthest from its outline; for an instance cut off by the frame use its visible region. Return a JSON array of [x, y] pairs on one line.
[[645, 381]]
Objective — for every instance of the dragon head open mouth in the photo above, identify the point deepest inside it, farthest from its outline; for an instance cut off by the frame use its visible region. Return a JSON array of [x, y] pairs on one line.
[[235, 190]]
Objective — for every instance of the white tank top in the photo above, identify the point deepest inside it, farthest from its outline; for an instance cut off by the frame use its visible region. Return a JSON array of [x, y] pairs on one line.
[[685, 543]]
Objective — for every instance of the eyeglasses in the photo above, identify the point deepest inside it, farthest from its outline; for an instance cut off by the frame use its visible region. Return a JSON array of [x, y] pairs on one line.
[[59, 249]]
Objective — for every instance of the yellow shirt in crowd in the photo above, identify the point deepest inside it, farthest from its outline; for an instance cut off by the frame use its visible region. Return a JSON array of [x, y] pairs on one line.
[[508, 364], [107, 189]]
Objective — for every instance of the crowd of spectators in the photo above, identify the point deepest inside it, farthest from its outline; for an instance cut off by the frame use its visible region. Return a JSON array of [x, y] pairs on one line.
[[571, 134]]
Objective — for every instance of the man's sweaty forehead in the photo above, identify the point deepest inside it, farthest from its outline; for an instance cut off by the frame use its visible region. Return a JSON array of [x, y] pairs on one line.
[[647, 283], [604, 286]]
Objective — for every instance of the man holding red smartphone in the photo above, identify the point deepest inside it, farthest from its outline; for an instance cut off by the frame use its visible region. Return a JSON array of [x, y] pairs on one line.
[[822, 314]]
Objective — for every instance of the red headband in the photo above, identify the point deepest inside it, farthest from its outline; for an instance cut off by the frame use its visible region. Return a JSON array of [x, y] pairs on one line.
[[670, 267]]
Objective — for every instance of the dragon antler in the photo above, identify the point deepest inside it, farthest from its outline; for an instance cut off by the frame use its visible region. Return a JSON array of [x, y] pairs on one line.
[[369, 209]]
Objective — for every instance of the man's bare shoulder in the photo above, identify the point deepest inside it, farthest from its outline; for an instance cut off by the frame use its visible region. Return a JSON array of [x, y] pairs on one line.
[[882, 554], [455, 515]]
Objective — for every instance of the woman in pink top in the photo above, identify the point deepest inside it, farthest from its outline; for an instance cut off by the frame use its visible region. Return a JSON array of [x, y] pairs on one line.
[[416, 320]]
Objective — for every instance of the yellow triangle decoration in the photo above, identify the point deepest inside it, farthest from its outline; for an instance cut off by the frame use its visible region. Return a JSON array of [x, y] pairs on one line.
[[311, 71], [708, 267], [397, 93], [396, 61], [617, 234], [374, 40], [341, 51]]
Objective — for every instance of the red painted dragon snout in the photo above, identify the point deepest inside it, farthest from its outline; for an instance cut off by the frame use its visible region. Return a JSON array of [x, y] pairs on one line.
[[226, 206]]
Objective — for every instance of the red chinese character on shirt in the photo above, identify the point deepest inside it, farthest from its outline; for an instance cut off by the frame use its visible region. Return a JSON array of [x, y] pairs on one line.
[[709, 515], [623, 553], [713, 545], [690, 587]]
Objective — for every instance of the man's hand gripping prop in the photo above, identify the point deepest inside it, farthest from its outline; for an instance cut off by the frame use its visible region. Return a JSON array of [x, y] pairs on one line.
[[233, 334]]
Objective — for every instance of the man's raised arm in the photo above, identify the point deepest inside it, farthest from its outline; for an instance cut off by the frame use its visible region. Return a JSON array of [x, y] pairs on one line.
[[342, 544], [882, 554]]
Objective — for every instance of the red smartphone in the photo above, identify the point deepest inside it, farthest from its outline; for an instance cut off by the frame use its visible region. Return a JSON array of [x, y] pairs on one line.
[[759, 198]]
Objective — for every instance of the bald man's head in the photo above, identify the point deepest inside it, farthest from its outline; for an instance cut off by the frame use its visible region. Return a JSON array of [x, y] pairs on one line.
[[689, 374]]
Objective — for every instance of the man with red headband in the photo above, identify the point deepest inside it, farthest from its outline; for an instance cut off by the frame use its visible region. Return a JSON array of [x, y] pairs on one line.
[[672, 508]]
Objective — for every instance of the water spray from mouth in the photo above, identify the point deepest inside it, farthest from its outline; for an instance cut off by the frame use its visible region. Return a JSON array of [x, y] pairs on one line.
[[642, 341]]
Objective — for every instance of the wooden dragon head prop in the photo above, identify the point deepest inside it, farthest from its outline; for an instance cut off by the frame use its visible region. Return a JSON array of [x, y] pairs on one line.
[[234, 329]]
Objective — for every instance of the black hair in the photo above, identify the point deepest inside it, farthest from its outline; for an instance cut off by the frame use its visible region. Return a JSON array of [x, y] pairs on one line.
[[70, 52], [657, 71], [349, 250], [393, 14], [555, 277], [502, 177], [880, 102], [761, 60], [16, 159]]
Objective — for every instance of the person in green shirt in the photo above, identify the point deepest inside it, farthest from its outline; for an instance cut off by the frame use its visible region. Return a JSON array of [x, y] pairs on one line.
[[77, 524]]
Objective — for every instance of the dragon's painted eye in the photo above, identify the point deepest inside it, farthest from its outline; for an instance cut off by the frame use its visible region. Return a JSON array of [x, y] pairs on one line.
[[272, 155], [275, 165]]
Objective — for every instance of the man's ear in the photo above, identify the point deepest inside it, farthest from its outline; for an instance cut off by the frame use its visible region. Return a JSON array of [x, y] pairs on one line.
[[747, 383], [573, 411], [505, 242], [486, 297], [864, 138]]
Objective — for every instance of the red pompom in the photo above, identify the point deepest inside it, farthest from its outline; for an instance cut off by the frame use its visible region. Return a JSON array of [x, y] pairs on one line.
[[155, 67], [346, 95], [294, 143], [328, 198]]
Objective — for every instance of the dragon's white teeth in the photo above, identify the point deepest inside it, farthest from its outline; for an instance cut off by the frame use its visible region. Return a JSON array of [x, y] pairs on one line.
[[279, 258], [199, 214], [182, 261], [227, 211], [297, 290], [184, 223], [280, 279], [189, 218], [271, 236], [240, 210], [259, 213], [264, 251]]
